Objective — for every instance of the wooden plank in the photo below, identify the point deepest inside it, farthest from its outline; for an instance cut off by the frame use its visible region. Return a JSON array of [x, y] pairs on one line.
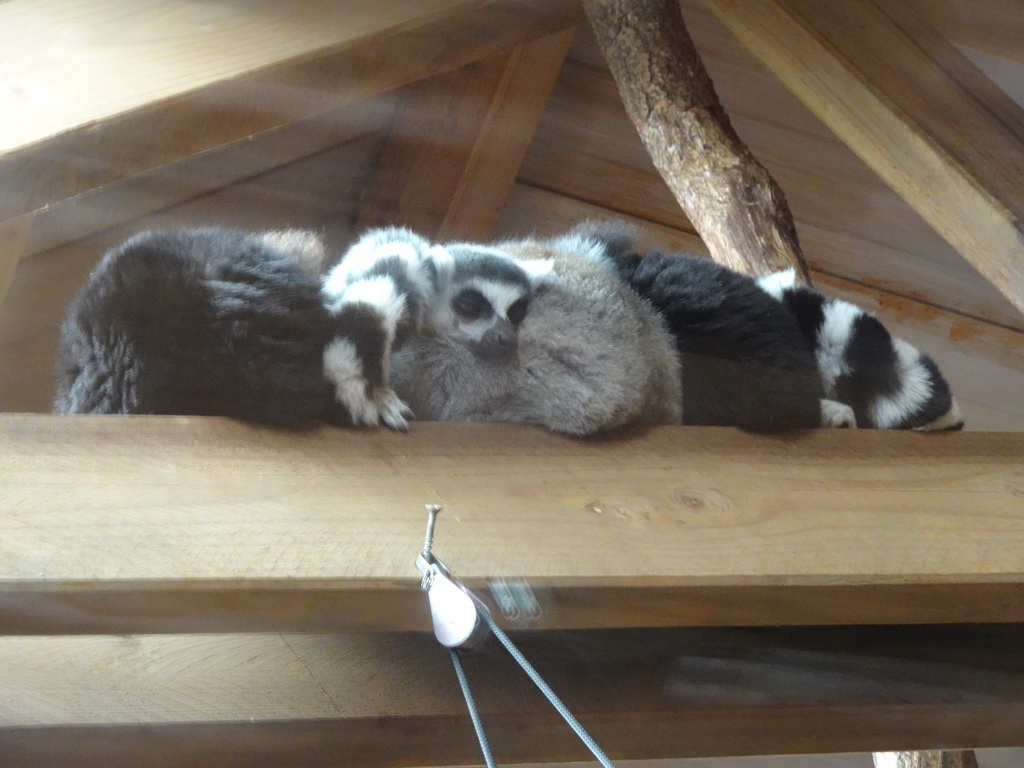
[[849, 222], [133, 524], [382, 699], [984, 362], [457, 141], [928, 122], [129, 86]]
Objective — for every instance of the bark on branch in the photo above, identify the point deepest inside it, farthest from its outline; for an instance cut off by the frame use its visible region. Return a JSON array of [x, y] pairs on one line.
[[734, 203]]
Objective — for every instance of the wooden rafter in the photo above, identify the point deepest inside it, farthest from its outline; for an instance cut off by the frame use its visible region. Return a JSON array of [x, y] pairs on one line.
[[913, 108], [457, 141]]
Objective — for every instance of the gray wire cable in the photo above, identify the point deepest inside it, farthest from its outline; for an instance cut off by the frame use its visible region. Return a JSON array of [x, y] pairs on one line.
[[471, 706], [563, 710]]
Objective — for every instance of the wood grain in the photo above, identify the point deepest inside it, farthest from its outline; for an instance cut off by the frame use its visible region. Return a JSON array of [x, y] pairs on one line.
[[131, 200], [382, 699], [912, 107], [155, 524], [457, 141]]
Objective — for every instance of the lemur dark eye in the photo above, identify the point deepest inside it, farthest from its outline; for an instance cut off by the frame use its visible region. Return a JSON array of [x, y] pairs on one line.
[[517, 312], [471, 305]]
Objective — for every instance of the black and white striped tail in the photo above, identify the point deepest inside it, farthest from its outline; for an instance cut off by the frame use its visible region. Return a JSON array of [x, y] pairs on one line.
[[886, 381]]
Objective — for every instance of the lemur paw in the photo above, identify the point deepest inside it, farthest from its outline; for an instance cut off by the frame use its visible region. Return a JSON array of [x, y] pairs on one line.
[[837, 415], [366, 405], [392, 410]]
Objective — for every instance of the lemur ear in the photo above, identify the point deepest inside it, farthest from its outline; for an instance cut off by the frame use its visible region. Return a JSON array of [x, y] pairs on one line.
[[536, 269]]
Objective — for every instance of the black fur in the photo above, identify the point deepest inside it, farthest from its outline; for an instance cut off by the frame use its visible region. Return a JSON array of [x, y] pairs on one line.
[[205, 322], [869, 365], [745, 362]]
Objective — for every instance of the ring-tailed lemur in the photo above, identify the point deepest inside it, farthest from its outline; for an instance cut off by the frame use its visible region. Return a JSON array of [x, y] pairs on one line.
[[219, 322], [590, 355], [395, 286]]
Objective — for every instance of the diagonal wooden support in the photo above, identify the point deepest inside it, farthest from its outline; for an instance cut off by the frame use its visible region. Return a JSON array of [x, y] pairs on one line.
[[457, 141], [913, 108], [732, 200]]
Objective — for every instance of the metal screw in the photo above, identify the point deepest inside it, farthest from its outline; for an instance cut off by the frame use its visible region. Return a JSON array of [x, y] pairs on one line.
[[428, 542]]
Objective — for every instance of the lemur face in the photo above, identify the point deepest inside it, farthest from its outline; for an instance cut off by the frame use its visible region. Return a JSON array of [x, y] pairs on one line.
[[487, 299]]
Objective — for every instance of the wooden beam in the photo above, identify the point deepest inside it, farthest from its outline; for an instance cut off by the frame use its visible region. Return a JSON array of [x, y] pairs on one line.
[[457, 142], [159, 524], [274, 701], [209, 172], [733, 202], [913, 107]]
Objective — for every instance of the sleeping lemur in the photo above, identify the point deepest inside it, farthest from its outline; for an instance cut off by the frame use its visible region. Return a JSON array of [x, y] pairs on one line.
[[541, 331], [219, 322], [589, 355], [760, 354]]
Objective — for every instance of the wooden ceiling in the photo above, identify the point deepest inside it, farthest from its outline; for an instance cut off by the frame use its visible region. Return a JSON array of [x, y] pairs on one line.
[[480, 119]]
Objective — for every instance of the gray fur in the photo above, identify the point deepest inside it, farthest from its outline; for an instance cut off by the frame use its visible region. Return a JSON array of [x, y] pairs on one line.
[[591, 355]]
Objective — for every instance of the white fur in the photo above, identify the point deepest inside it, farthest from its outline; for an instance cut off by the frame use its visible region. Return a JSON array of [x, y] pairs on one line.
[[590, 248], [915, 388], [833, 336], [382, 294], [536, 269], [412, 250], [951, 419], [500, 295], [776, 284], [343, 367], [837, 415]]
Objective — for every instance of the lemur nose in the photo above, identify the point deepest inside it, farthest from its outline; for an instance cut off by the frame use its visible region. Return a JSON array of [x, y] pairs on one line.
[[499, 341]]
